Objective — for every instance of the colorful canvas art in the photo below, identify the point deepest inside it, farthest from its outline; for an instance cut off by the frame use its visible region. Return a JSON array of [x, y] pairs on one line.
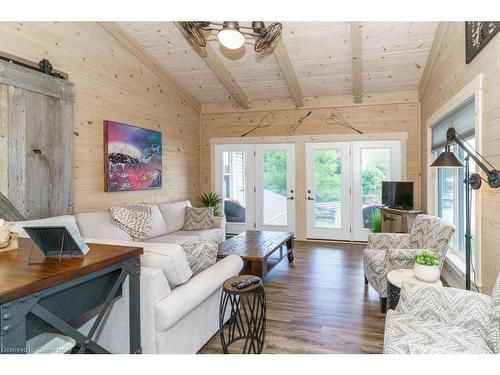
[[132, 157]]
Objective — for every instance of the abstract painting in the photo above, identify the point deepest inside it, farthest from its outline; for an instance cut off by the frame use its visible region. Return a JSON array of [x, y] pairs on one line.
[[132, 157]]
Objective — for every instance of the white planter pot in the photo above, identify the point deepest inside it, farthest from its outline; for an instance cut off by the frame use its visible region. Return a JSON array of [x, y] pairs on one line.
[[428, 274]]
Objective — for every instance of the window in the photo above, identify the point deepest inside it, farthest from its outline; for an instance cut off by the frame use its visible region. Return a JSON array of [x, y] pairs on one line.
[[450, 189], [451, 200]]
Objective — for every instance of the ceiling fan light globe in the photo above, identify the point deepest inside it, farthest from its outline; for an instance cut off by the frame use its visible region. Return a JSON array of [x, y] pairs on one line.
[[231, 38]]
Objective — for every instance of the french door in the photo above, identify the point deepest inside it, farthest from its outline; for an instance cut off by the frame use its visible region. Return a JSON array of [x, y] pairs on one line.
[[257, 184], [344, 186], [275, 187], [234, 181], [372, 163], [328, 175]]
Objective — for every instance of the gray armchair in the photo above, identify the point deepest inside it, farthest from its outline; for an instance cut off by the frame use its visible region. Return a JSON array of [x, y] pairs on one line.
[[390, 251], [437, 320]]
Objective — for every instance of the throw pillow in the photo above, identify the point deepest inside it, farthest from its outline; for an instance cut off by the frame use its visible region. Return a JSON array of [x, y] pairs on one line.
[[136, 220], [201, 255], [199, 218]]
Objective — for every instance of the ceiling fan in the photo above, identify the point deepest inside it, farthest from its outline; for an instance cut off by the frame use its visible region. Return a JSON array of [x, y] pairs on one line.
[[231, 34]]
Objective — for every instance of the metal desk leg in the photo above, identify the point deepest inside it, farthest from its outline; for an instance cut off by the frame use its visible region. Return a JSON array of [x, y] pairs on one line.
[[134, 270]]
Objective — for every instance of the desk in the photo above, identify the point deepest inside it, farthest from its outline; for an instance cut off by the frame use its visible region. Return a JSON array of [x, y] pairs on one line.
[[44, 297]]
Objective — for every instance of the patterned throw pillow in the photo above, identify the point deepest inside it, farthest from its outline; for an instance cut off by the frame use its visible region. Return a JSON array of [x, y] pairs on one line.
[[136, 219], [199, 218], [201, 255]]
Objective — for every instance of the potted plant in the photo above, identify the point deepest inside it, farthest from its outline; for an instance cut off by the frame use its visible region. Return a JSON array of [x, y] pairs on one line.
[[376, 222], [212, 200], [427, 267]]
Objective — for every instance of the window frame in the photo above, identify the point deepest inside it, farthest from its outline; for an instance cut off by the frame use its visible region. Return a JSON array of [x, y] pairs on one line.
[[454, 267]]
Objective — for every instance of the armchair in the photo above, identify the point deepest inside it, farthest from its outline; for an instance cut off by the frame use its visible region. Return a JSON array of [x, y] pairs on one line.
[[390, 251], [433, 320]]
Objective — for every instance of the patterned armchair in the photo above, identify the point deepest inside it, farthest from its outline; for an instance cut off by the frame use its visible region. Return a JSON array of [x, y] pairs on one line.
[[437, 320], [390, 251]]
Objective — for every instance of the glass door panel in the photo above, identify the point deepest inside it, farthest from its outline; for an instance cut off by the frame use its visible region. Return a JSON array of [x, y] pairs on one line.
[[373, 162], [275, 179], [234, 181], [328, 190], [234, 186]]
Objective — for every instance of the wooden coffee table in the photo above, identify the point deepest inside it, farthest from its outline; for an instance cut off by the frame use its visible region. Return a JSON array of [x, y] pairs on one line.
[[261, 251]]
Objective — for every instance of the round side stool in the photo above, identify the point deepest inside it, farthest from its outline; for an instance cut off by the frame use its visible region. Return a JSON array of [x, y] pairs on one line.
[[395, 280], [247, 316]]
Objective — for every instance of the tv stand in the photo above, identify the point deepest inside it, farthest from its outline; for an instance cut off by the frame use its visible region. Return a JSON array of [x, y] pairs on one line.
[[396, 220]]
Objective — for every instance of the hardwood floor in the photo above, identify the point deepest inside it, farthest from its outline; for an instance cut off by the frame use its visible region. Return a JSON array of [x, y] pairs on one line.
[[319, 304]]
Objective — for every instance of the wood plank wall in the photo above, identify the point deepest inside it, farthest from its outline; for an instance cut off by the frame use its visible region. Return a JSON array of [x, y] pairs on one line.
[[111, 84], [380, 118], [447, 74]]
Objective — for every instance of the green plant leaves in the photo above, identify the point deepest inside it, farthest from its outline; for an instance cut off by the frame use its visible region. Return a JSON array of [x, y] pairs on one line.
[[213, 200], [427, 259], [376, 222]]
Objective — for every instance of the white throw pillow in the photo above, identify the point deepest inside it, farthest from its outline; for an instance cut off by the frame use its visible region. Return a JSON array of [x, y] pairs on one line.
[[169, 257], [159, 227], [173, 214]]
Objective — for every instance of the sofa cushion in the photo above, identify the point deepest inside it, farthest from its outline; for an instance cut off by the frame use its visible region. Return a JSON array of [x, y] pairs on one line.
[[207, 234], [201, 255], [98, 225], [169, 257], [174, 238], [403, 331], [174, 214], [17, 227], [199, 218]]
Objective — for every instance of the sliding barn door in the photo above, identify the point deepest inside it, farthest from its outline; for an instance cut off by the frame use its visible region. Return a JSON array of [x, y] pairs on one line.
[[36, 122]]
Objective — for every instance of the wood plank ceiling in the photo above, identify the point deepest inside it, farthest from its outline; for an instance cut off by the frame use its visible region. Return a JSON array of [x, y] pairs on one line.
[[393, 57]]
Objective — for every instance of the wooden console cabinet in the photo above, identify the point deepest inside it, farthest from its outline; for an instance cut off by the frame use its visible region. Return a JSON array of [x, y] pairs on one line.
[[398, 221]]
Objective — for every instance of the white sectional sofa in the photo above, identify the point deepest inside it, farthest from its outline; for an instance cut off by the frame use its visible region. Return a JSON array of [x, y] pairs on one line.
[[168, 220], [179, 312]]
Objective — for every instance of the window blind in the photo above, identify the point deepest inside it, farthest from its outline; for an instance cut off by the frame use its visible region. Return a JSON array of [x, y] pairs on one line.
[[461, 118]]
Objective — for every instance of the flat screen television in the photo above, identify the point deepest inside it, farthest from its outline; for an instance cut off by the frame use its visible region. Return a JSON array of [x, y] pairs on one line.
[[397, 194]]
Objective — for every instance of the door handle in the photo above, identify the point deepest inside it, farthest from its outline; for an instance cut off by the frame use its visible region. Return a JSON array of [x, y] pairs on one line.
[[291, 198], [310, 199]]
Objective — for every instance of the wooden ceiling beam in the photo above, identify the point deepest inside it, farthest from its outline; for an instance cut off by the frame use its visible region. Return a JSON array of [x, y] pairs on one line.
[[315, 102], [219, 69], [356, 61], [288, 72], [122, 36]]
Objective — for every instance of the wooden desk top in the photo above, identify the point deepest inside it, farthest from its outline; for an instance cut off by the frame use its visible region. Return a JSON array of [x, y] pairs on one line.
[[253, 244], [18, 278]]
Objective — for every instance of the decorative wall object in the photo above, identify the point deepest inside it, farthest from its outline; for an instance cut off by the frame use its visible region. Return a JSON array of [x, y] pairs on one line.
[[336, 118], [132, 157], [477, 36], [266, 121], [36, 143], [293, 128]]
